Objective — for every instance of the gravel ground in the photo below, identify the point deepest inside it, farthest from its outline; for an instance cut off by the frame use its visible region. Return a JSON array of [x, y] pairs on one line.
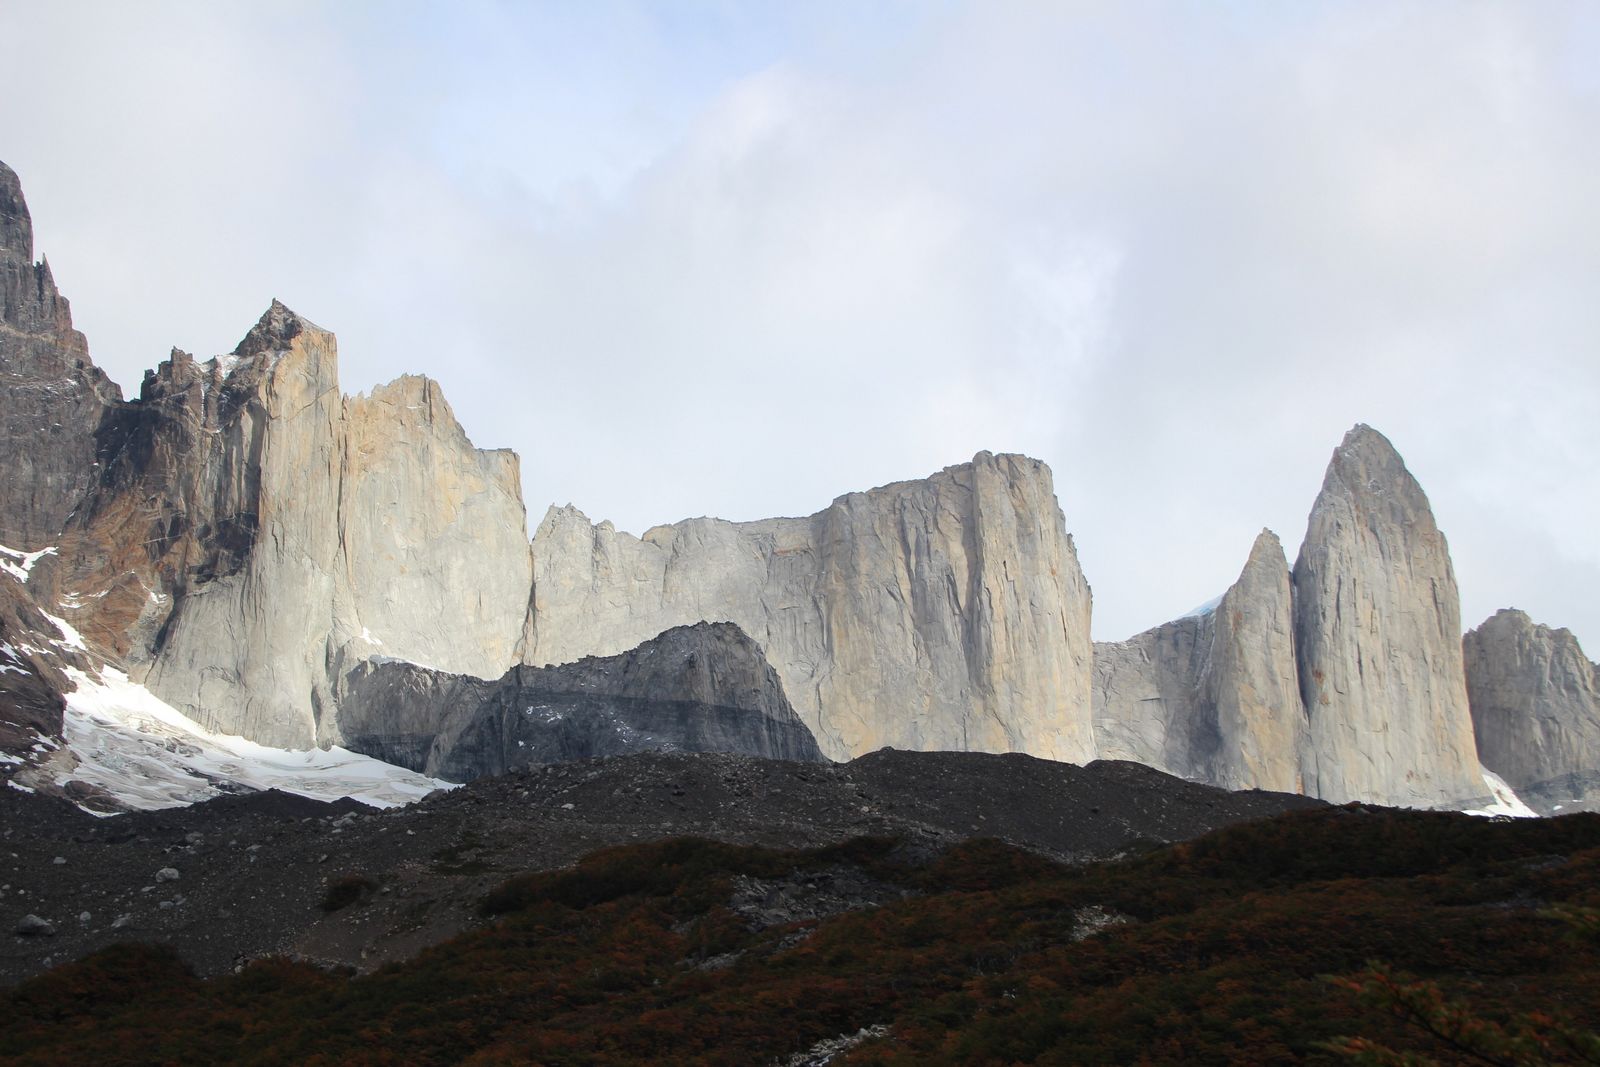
[[241, 877]]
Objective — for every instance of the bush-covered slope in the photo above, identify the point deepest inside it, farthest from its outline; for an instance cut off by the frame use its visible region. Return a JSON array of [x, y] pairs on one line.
[[688, 951]]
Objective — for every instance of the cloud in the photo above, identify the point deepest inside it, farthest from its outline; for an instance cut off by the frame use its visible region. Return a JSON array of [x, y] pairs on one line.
[[738, 261]]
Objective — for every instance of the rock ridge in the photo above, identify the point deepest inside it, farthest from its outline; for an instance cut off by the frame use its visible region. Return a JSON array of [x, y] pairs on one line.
[[700, 688]]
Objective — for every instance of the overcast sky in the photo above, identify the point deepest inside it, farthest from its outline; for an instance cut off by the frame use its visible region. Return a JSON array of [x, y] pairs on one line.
[[738, 259]]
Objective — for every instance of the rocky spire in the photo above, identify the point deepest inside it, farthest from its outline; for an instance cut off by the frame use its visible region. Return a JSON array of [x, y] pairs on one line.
[[1536, 711], [275, 331], [1378, 634], [1252, 681], [29, 300], [52, 398], [1213, 695]]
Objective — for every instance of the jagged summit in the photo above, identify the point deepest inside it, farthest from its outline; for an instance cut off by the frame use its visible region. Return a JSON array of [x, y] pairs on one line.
[[29, 300], [16, 225], [55, 398], [275, 331]]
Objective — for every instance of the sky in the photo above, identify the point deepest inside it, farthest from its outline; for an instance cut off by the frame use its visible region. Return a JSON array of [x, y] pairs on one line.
[[738, 259]]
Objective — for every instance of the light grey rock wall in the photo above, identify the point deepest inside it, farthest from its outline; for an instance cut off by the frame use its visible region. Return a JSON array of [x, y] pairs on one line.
[[1149, 701], [1536, 711], [434, 563], [1253, 682], [1378, 636], [945, 613]]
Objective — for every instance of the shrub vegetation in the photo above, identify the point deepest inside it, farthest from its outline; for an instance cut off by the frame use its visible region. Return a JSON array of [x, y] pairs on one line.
[[1327, 936]]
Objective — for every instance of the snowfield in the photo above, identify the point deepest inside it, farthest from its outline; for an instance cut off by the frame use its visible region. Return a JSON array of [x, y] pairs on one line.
[[149, 755], [1506, 802]]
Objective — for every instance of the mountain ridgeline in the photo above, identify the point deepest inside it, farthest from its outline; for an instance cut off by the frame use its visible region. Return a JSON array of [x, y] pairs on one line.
[[280, 561]]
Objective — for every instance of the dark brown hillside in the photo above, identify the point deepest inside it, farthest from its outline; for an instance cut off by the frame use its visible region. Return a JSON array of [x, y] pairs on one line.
[[1220, 951]]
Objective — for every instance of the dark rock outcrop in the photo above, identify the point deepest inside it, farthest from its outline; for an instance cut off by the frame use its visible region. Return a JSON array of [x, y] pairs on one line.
[[701, 688], [1378, 639], [53, 399], [35, 654], [1536, 710], [30, 684]]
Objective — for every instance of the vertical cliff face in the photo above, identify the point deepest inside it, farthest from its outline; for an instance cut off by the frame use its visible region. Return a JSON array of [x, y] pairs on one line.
[[946, 613], [1211, 696], [1536, 710], [1253, 681], [52, 398], [245, 646], [1150, 704], [1378, 633], [434, 559]]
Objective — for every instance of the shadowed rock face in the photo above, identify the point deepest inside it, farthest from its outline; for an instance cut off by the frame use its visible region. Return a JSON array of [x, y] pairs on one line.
[[52, 398], [1378, 635], [31, 686], [944, 613], [1211, 696], [703, 688], [1536, 711], [35, 654]]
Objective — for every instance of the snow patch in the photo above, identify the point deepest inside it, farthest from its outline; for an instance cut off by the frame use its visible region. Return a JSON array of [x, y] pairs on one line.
[[18, 564], [149, 755], [1204, 609], [226, 364], [1506, 802], [69, 637]]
